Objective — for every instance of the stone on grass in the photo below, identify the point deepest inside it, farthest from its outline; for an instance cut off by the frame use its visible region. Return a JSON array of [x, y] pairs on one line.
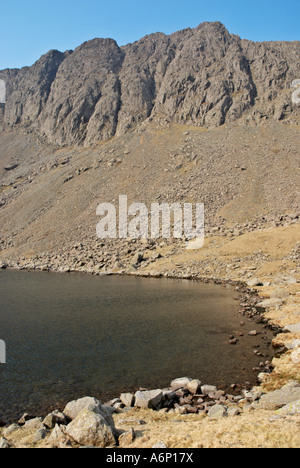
[[91, 429], [232, 411], [217, 412], [293, 345], [268, 303], [160, 445], [279, 398], [290, 410], [136, 422], [180, 409], [292, 328], [127, 438]]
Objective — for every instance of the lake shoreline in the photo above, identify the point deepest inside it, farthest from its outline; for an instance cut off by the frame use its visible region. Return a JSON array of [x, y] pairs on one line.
[[273, 277], [247, 311]]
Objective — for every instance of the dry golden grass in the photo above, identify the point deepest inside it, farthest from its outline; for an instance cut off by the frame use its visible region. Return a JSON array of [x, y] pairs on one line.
[[251, 430]]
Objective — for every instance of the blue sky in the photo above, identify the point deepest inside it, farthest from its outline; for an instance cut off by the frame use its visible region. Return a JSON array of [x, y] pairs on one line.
[[29, 28]]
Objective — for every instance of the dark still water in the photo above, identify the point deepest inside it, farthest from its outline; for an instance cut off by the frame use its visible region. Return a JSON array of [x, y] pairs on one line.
[[70, 336]]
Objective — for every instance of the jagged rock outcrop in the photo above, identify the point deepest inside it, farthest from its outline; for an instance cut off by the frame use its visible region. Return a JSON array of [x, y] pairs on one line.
[[28, 89], [203, 76], [274, 66], [85, 96]]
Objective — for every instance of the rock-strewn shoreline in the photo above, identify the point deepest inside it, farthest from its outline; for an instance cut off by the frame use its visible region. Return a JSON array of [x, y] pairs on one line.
[[271, 296], [88, 423], [184, 396]]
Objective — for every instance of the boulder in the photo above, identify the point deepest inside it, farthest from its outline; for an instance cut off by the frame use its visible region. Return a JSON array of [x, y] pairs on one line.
[[148, 399], [58, 436], [194, 386], [113, 402], [292, 328], [279, 398], [75, 407], [293, 345], [127, 399], [180, 409], [254, 282], [54, 418], [291, 409], [137, 259], [24, 418], [35, 423], [91, 429], [180, 383], [232, 411], [217, 412], [39, 435], [207, 389], [268, 303]]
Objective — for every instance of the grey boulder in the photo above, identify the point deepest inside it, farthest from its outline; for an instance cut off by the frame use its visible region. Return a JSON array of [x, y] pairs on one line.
[[180, 383], [217, 412], [75, 407], [91, 429], [292, 328], [148, 399], [279, 398]]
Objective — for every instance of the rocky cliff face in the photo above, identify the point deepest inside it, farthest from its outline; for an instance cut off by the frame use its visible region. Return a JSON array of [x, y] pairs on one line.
[[203, 76]]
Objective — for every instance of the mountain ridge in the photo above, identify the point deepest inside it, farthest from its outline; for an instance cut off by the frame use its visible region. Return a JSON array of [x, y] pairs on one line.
[[203, 77]]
